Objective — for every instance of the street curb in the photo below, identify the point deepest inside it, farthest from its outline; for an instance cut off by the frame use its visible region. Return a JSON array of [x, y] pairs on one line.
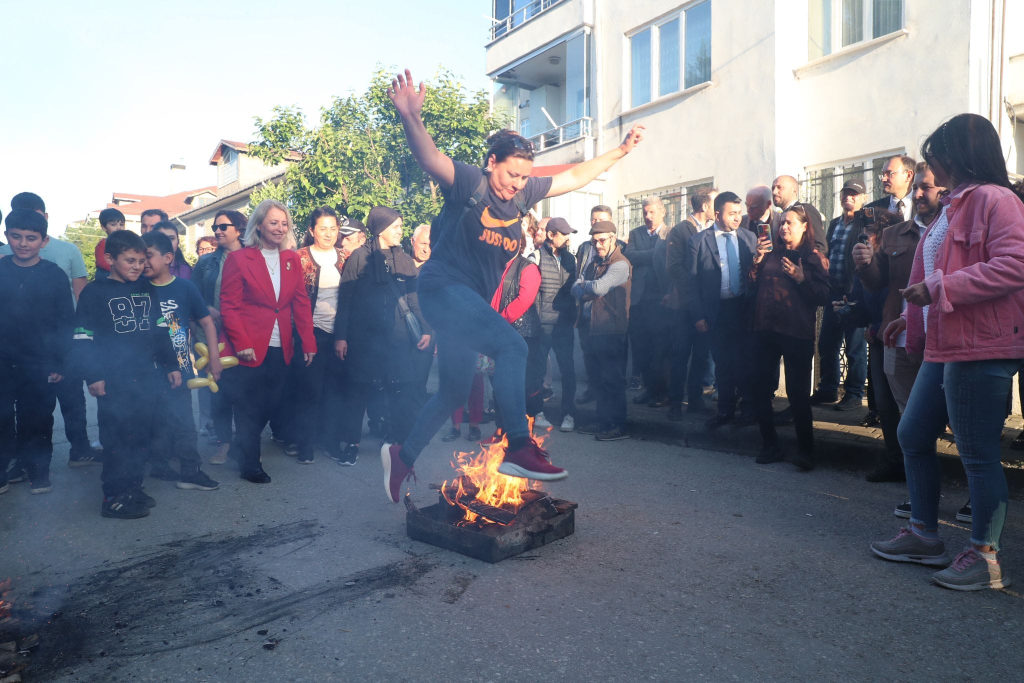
[[846, 452]]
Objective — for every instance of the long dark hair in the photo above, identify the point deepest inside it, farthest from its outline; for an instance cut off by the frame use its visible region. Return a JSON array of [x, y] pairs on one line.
[[508, 143], [237, 219], [967, 147], [806, 245], [307, 239]]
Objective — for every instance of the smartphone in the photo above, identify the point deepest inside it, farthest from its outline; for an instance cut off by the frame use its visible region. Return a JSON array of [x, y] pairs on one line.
[[765, 230], [869, 214], [864, 239], [793, 255]]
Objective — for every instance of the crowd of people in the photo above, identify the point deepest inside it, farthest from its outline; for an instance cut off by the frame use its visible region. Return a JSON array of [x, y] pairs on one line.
[[923, 291]]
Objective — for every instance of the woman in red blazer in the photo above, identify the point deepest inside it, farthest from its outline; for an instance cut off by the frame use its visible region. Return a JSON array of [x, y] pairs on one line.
[[262, 295]]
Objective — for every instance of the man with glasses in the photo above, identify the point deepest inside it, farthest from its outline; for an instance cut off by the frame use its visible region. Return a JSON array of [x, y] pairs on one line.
[[603, 289], [897, 179]]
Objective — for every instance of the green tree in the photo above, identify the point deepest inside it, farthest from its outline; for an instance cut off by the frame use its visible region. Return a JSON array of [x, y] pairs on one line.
[[356, 157], [86, 235]]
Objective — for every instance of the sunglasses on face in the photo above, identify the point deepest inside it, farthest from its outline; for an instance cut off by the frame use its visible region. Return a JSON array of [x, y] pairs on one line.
[[222, 226]]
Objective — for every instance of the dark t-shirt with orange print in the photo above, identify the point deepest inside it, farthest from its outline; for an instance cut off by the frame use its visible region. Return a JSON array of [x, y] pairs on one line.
[[476, 252]]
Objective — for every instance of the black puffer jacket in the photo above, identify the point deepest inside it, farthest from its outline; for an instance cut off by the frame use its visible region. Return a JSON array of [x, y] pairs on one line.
[[555, 302]]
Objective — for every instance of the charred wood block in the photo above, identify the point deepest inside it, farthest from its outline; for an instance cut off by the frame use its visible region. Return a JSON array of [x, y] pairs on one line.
[[492, 542]]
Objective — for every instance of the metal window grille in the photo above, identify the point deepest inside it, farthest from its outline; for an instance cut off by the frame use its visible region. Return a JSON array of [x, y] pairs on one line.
[[677, 206]]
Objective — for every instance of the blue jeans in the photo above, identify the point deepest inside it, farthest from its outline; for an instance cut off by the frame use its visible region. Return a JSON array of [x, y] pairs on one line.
[[833, 334], [465, 325], [971, 396]]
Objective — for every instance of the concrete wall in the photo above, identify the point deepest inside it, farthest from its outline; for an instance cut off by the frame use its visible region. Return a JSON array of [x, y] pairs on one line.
[[768, 110]]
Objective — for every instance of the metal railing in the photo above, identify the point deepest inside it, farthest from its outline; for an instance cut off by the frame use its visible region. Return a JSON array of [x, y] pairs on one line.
[[676, 201], [821, 188], [567, 132], [520, 17]]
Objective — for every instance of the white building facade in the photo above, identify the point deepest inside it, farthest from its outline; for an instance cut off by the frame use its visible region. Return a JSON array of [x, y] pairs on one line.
[[736, 92]]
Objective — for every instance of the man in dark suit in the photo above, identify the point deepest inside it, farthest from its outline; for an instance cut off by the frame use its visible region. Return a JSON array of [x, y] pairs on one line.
[[648, 323], [690, 352], [785, 192], [843, 234], [721, 259], [897, 180]]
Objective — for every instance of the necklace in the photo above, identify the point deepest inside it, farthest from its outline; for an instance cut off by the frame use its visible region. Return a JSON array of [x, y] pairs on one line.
[[272, 267]]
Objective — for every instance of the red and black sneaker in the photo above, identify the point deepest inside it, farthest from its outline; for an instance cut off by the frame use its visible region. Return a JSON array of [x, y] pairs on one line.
[[530, 461], [395, 470]]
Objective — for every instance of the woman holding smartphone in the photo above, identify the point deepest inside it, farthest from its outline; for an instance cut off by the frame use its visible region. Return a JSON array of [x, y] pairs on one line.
[[790, 282]]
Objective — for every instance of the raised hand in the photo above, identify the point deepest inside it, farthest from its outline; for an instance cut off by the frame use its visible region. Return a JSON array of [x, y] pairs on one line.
[[633, 138], [408, 100]]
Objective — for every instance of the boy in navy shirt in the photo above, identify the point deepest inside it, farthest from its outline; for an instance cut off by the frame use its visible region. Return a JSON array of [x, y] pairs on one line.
[[35, 336], [122, 348], [174, 428]]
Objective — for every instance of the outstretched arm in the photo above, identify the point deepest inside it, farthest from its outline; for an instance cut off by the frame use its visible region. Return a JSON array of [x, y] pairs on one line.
[[408, 100], [581, 174]]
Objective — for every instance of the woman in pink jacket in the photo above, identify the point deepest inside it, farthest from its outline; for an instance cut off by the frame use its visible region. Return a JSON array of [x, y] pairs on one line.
[[965, 311]]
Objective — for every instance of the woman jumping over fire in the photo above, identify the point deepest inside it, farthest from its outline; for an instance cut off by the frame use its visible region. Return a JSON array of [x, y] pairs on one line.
[[472, 240]]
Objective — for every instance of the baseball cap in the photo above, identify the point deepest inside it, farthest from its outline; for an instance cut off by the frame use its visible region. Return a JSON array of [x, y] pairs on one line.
[[559, 225], [350, 226], [855, 186]]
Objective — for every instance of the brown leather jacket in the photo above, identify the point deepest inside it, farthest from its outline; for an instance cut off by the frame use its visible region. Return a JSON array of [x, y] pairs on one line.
[[890, 266]]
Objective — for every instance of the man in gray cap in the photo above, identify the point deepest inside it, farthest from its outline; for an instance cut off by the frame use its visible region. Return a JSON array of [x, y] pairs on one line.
[[557, 309], [842, 235], [603, 289]]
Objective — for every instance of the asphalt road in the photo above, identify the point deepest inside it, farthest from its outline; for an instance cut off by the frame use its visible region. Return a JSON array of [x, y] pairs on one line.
[[685, 565]]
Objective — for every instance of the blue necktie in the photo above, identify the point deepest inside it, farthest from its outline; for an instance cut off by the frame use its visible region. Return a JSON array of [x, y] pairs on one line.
[[733, 258]]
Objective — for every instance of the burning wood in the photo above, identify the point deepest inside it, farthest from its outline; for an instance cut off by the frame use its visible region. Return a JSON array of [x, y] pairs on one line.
[[488, 515]]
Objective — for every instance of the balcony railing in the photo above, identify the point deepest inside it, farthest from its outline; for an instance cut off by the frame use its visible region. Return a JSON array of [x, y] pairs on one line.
[[567, 132], [520, 17]]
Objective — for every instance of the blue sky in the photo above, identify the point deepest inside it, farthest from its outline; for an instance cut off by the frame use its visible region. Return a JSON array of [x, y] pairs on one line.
[[103, 97]]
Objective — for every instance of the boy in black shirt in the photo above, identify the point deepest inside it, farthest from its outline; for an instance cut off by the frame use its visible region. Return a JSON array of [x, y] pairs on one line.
[[174, 428], [122, 348], [35, 336]]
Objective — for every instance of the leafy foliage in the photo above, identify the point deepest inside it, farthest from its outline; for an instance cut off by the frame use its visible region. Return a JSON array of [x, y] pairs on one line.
[[356, 157], [86, 236]]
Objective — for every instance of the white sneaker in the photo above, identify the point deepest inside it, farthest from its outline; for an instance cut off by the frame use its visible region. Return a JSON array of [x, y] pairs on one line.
[[541, 421], [568, 424]]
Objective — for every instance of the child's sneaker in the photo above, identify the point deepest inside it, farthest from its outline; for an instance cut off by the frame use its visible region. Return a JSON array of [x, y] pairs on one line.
[[197, 481], [41, 484], [124, 506], [85, 458], [141, 496]]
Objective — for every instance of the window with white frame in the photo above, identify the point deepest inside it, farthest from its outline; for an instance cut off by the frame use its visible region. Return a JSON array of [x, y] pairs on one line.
[[228, 170], [835, 24], [670, 54]]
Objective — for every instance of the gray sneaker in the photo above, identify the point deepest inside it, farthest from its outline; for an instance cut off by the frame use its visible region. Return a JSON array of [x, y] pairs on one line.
[[907, 547], [972, 572]]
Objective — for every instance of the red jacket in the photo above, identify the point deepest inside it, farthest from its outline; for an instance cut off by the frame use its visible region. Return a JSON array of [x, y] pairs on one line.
[[248, 308]]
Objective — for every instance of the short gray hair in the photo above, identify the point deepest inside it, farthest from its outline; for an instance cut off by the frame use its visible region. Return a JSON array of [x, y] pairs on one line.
[[420, 229], [653, 200], [252, 237]]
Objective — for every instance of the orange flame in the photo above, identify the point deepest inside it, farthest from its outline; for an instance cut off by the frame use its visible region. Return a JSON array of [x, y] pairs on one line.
[[486, 484]]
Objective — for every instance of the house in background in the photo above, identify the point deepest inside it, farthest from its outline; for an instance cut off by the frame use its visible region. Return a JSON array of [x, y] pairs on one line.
[[238, 175], [734, 92], [133, 205]]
